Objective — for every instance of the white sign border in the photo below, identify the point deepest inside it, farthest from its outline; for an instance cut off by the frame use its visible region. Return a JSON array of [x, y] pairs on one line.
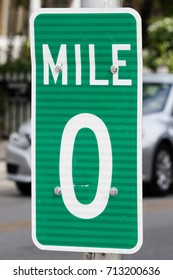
[[139, 130]]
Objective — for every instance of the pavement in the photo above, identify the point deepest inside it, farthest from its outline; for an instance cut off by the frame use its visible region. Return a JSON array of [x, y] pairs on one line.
[[4, 182]]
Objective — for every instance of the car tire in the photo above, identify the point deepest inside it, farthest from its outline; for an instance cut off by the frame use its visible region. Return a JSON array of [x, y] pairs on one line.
[[24, 188], [163, 170]]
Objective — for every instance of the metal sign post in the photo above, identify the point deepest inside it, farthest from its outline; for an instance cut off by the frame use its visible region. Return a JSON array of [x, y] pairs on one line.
[[86, 123], [100, 4]]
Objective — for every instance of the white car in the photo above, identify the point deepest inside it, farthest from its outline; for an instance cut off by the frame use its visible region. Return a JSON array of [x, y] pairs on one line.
[[157, 139], [158, 132], [19, 158]]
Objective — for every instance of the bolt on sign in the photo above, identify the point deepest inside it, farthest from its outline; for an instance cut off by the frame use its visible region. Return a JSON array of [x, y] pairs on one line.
[[86, 120]]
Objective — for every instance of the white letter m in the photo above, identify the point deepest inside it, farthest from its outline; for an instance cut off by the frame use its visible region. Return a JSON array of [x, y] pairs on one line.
[[49, 63]]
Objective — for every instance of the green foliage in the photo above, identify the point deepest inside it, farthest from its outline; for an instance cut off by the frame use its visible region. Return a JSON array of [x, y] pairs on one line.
[[160, 44], [19, 65], [3, 97], [22, 64], [166, 7]]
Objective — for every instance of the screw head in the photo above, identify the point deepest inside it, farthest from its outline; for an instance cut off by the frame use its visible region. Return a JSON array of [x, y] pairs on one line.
[[57, 190], [58, 68], [114, 69], [113, 191]]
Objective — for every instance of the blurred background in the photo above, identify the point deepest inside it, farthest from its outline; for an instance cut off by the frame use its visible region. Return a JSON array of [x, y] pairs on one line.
[[15, 128]]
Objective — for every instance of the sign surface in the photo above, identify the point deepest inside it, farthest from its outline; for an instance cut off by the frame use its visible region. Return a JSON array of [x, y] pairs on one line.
[[86, 120]]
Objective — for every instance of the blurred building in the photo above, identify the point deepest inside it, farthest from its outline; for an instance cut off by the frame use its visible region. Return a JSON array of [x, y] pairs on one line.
[[13, 26], [15, 86]]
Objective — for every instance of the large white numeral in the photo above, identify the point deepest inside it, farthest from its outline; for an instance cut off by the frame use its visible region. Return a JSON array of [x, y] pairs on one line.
[[97, 206]]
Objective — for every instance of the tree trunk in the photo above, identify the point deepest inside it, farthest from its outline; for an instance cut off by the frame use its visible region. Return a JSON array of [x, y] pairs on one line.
[[145, 12], [144, 8]]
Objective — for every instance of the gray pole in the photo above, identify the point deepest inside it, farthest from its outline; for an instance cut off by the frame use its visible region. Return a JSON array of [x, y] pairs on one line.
[[101, 4], [34, 5]]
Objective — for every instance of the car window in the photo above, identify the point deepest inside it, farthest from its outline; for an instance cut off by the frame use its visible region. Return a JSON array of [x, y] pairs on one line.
[[154, 97]]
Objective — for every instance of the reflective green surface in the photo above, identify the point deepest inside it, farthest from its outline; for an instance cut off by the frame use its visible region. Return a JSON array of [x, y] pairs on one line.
[[116, 106]]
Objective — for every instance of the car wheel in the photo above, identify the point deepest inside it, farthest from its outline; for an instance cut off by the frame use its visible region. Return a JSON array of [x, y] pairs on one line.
[[24, 188], [163, 170]]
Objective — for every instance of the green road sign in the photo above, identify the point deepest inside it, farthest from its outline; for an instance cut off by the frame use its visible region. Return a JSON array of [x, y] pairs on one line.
[[86, 120]]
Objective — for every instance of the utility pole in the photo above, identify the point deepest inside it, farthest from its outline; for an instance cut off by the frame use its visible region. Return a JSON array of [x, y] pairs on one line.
[[101, 4], [34, 5]]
